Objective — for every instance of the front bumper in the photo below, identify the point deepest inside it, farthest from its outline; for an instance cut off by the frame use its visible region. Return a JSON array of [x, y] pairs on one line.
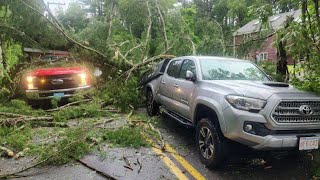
[[282, 140], [49, 94]]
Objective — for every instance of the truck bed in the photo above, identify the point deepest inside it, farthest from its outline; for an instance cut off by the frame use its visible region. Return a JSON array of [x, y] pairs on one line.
[[154, 73]]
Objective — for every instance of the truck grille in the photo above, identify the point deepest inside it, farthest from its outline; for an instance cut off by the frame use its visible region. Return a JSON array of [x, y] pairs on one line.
[[292, 112], [57, 82]]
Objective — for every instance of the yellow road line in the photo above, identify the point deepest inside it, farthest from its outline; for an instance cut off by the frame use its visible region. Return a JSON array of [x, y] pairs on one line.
[[176, 171], [196, 174]]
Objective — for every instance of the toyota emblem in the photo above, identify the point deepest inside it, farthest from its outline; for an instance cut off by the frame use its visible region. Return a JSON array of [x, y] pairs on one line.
[[306, 110]]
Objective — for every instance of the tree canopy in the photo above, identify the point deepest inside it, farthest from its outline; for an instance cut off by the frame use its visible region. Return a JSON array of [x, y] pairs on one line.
[[131, 33]]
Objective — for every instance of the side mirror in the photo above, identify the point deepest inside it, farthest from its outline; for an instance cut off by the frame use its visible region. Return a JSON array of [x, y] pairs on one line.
[[190, 76]]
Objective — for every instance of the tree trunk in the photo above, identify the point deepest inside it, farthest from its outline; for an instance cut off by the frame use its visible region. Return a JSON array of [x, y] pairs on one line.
[[109, 39], [282, 68], [3, 53], [166, 44], [1, 61], [316, 8]]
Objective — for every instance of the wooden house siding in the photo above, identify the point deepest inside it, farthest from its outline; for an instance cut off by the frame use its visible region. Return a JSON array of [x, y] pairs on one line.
[[267, 46]]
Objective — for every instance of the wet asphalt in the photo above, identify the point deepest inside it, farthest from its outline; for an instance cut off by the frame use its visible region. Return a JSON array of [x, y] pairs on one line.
[[279, 165], [111, 161]]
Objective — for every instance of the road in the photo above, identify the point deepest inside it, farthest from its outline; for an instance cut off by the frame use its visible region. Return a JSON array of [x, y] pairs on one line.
[[281, 167], [179, 161]]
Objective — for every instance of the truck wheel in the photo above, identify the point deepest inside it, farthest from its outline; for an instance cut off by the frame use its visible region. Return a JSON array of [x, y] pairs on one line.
[[152, 106], [210, 144]]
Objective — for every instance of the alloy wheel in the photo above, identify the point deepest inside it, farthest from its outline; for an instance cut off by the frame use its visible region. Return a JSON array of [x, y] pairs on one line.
[[206, 144]]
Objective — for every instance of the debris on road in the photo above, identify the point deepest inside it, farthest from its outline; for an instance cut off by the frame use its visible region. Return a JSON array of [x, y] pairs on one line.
[[8, 152]]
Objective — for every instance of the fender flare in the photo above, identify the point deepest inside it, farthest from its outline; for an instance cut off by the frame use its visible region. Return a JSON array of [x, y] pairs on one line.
[[213, 105]]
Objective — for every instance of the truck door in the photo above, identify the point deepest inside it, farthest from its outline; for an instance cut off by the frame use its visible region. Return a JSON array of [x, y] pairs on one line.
[[167, 84], [184, 89]]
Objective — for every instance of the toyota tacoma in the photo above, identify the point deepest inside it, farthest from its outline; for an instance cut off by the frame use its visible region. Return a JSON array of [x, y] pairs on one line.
[[228, 99]]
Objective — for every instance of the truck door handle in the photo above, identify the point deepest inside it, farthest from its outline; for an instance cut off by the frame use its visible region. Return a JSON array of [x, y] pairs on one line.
[[176, 85], [162, 82]]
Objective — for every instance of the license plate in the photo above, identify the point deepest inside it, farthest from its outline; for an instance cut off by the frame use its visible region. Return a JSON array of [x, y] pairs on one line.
[[58, 95], [308, 143]]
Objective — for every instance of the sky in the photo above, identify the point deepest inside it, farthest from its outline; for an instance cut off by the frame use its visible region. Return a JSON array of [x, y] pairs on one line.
[[54, 7]]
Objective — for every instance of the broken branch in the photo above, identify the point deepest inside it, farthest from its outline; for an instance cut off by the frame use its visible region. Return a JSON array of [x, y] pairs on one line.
[[163, 144], [69, 104], [16, 174], [9, 152]]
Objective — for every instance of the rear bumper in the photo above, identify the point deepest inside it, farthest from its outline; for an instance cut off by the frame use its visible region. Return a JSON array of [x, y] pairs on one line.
[[49, 94]]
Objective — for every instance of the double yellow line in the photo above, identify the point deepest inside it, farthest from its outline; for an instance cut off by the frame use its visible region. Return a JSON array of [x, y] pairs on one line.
[[174, 168]]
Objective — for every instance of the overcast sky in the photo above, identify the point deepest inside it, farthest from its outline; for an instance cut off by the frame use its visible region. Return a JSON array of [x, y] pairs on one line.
[[54, 7]]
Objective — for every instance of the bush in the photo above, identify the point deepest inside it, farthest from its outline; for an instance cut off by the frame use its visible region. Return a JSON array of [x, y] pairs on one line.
[[4, 95], [271, 69]]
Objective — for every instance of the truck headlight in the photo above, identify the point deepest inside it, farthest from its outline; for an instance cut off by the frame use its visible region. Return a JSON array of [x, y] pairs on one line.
[[83, 79], [30, 82], [246, 103]]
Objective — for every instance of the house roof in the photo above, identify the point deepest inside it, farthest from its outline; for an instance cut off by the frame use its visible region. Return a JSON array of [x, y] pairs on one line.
[[276, 22]]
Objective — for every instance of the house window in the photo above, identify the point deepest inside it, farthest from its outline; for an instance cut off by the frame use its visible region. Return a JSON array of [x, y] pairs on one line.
[[263, 56]]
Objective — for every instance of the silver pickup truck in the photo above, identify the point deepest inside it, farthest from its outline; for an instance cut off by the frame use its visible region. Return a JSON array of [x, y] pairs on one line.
[[229, 99]]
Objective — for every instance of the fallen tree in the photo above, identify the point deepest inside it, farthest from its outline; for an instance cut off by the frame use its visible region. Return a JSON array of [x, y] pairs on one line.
[[127, 65]]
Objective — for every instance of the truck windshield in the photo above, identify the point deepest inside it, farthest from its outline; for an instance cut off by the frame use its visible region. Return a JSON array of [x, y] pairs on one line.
[[230, 70]]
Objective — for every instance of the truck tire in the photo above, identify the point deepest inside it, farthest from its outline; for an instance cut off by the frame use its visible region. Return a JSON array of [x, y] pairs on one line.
[[152, 106], [210, 144]]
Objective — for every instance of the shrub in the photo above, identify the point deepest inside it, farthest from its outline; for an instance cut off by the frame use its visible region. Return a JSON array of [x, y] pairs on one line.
[[4, 95], [271, 69]]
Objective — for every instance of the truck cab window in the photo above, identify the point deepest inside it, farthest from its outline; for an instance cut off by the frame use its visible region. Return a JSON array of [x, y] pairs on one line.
[[187, 65], [174, 68]]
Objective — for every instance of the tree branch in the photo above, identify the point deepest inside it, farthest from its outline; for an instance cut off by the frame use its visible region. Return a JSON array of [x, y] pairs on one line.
[[111, 21], [166, 44], [144, 53], [20, 33], [68, 37], [316, 8], [313, 36]]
